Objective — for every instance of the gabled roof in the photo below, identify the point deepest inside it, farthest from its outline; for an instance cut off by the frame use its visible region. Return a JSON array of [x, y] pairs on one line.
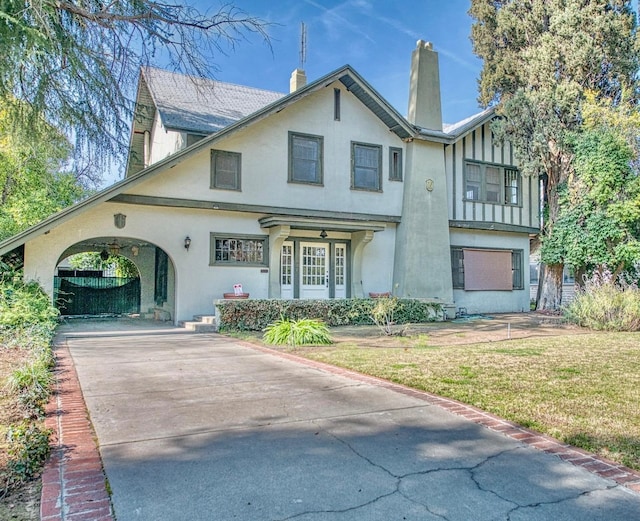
[[202, 105], [346, 75]]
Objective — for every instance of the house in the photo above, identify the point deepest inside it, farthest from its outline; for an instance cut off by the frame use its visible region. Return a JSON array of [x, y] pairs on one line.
[[325, 192]]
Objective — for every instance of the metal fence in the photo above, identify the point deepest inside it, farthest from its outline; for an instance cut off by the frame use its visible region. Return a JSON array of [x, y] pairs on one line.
[[97, 295]]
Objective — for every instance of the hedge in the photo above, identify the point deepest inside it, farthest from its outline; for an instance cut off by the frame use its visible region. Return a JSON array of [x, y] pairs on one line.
[[256, 314]]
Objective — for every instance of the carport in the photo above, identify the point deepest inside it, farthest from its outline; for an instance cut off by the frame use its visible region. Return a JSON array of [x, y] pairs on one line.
[[139, 286]]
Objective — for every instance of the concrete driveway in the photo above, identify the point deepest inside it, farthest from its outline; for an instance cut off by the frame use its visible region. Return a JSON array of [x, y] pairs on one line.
[[201, 427]]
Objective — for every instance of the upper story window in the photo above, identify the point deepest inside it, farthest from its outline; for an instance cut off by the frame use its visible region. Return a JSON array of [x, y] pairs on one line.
[[305, 158], [489, 183], [225, 170], [395, 164], [366, 167]]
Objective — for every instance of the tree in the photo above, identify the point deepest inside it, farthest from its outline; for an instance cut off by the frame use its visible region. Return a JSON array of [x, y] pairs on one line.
[[540, 57], [598, 225], [121, 265], [75, 62], [33, 184]]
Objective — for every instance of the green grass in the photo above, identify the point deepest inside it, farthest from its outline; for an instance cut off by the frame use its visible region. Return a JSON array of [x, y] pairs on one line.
[[583, 389]]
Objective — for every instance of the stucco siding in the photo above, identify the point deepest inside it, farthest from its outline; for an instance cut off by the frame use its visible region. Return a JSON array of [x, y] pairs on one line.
[[265, 161], [516, 300], [377, 268], [197, 281]]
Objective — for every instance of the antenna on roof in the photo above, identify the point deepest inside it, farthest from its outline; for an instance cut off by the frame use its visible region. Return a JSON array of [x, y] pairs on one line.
[[303, 44]]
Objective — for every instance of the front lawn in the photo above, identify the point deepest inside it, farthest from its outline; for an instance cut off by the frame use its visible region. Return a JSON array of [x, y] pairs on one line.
[[582, 389]]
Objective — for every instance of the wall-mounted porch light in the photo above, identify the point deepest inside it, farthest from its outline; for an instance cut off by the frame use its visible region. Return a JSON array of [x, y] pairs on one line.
[[323, 234], [114, 248], [187, 243]]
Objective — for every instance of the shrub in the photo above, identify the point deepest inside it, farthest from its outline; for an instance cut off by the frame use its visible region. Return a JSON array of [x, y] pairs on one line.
[[606, 306], [24, 304], [27, 322], [383, 313], [297, 332], [257, 314], [32, 383], [28, 450]]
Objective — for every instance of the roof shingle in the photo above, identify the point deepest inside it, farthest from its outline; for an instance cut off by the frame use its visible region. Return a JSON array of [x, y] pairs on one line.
[[202, 105]]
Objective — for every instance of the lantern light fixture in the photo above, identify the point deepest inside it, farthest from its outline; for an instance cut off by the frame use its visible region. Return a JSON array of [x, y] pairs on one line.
[[114, 248], [187, 243]]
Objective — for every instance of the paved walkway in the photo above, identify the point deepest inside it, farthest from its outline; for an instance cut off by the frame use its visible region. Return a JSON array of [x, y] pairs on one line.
[[202, 427]]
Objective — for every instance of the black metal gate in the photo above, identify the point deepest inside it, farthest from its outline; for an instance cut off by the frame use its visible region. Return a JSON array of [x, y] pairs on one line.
[[95, 295]]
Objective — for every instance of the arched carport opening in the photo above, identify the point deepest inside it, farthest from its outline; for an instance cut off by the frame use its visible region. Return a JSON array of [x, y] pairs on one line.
[[115, 276]]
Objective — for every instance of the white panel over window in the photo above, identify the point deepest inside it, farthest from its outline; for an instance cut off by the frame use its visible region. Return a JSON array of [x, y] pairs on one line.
[[488, 270]]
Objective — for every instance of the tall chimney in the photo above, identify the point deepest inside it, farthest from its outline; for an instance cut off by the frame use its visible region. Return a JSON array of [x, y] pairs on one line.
[[297, 81], [425, 109]]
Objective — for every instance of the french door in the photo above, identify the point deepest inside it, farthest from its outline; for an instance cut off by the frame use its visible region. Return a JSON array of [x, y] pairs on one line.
[[318, 272], [314, 270]]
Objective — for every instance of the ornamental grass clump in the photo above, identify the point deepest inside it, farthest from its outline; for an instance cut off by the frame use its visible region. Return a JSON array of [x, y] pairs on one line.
[[606, 306], [300, 332]]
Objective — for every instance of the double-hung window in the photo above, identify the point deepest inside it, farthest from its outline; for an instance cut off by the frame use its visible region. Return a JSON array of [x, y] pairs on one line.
[[366, 167], [225, 170], [489, 183], [305, 158]]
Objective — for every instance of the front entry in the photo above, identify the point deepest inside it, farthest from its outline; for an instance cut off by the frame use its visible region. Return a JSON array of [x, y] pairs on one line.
[[313, 270]]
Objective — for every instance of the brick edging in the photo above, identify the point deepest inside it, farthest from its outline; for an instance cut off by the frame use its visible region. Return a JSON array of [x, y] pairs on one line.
[[73, 481], [604, 468]]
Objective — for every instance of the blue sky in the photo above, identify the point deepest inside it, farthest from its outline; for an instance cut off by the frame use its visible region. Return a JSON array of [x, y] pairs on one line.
[[375, 37]]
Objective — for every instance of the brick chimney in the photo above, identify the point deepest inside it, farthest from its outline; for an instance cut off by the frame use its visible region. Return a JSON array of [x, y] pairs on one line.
[[298, 80], [425, 109]]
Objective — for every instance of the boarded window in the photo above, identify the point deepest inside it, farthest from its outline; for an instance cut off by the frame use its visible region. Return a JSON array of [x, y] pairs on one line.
[[487, 270]]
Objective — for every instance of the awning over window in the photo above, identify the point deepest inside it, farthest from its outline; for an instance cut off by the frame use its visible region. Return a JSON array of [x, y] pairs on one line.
[[487, 270]]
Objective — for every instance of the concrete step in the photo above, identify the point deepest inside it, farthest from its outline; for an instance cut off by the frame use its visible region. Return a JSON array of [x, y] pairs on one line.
[[205, 319], [200, 324]]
